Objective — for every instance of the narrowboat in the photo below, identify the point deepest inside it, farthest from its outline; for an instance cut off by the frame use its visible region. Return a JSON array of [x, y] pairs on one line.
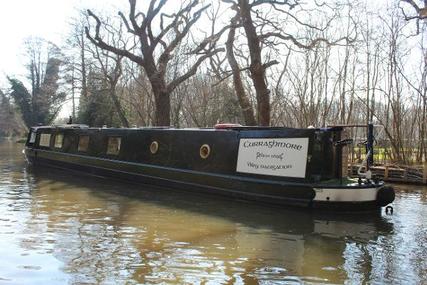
[[276, 165]]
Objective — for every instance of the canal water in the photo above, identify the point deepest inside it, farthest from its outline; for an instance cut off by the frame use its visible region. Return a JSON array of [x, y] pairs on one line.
[[59, 227]]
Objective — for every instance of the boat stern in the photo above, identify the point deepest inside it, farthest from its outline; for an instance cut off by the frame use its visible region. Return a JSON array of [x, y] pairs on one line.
[[351, 196]]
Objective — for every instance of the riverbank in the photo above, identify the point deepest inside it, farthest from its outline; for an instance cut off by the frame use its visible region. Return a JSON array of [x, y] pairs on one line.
[[395, 173], [20, 140]]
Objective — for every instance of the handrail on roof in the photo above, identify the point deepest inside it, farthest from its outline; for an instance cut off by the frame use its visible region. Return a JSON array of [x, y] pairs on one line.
[[353, 126], [72, 126]]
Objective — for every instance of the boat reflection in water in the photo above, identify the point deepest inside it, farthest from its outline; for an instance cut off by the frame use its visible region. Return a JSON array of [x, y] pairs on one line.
[[103, 231]]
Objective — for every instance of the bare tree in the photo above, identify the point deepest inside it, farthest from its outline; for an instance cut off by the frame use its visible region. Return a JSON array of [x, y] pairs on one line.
[[155, 50], [110, 65], [78, 62], [261, 32], [43, 102], [136, 94], [11, 123]]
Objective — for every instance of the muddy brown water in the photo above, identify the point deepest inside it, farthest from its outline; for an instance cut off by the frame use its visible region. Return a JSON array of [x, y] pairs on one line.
[[59, 227]]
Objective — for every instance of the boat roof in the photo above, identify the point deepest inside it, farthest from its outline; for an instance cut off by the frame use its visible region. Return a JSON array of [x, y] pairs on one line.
[[233, 128]]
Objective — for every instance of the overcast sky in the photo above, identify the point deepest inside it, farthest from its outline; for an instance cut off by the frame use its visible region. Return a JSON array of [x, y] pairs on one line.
[[48, 19]]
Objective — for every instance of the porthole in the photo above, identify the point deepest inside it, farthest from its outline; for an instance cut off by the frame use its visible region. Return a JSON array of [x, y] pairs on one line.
[[154, 147], [205, 151]]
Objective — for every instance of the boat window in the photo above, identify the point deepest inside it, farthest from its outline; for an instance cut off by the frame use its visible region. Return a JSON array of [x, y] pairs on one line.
[[32, 137], [59, 140], [44, 140], [83, 143], [114, 145]]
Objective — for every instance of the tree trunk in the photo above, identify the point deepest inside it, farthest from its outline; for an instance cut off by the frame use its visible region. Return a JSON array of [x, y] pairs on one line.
[[248, 112], [162, 101], [73, 97], [161, 97], [256, 68], [83, 68]]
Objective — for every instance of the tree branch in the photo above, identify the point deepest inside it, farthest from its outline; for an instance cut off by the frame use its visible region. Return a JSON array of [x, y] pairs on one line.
[[310, 45], [98, 41], [172, 85], [275, 2]]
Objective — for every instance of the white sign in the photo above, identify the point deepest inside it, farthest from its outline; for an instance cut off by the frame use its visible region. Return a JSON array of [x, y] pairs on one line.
[[277, 157]]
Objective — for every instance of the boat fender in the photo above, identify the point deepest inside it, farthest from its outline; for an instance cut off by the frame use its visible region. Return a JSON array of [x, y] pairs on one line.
[[385, 196]]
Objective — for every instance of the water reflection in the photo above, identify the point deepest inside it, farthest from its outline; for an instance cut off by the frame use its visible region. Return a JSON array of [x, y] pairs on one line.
[[61, 227], [156, 235]]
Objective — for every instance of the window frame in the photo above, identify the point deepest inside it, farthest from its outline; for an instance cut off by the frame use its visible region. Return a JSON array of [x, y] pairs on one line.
[[55, 143], [33, 136], [118, 147], [79, 148], [43, 139]]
